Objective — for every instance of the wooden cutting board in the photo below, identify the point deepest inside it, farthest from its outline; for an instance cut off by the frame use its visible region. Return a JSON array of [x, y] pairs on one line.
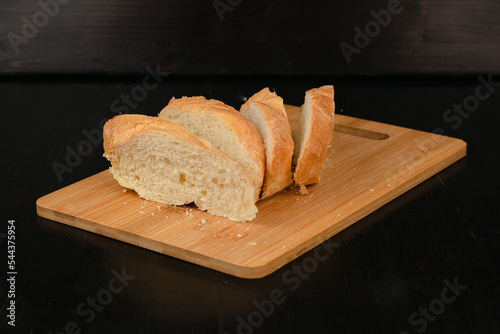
[[368, 164]]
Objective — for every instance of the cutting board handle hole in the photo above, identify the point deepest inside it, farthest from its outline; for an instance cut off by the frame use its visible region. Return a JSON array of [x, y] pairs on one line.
[[350, 130]]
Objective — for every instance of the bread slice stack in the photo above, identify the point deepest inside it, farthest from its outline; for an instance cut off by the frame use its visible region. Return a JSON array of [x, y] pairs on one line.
[[206, 152], [164, 162]]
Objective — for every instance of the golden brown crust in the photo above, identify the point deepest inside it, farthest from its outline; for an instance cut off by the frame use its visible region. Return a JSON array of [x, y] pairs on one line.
[[312, 159], [243, 128], [122, 128], [278, 174]]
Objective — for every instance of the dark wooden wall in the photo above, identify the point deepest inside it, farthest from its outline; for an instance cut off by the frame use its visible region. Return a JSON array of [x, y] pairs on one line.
[[297, 37]]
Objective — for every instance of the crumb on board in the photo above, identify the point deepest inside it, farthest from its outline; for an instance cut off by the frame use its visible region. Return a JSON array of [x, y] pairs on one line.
[[124, 190], [152, 213], [252, 244], [191, 216], [141, 212], [303, 190], [240, 235], [203, 221]]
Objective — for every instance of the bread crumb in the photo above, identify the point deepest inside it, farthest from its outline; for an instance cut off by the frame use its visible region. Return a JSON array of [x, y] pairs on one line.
[[252, 244], [191, 216], [125, 203], [371, 189], [152, 213], [203, 221], [166, 217], [124, 190], [202, 228], [240, 235], [303, 190], [141, 212]]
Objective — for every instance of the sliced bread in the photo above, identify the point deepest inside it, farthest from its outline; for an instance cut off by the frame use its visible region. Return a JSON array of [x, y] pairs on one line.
[[224, 128], [165, 163], [267, 113], [313, 135]]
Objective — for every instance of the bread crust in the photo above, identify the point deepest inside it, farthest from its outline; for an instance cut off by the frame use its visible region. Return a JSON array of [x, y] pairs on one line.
[[278, 174], [312, 158], [122, 128], [243, 128]]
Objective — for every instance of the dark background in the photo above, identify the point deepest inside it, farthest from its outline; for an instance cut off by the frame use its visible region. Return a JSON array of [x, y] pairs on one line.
[[65, 77], [255, 37]]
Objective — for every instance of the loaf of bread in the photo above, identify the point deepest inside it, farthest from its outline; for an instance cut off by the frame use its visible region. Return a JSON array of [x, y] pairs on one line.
[[267, 113], [224, 128], [313, 135], [206, 152], [164, 162]]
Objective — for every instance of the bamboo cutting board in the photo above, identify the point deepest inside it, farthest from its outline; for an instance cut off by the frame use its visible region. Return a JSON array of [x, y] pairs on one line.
[[368, 164]]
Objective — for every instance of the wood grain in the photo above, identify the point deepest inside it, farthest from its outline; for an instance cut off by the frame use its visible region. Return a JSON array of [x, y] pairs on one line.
[[256, 37], [360, 175]]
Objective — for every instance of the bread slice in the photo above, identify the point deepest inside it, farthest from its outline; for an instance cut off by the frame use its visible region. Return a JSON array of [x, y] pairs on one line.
[[165, 163], [313, 135], [267, 113], [224, 128]]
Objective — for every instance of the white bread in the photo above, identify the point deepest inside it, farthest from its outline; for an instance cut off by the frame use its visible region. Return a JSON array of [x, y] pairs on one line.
[[313, 135], [267, 113], [224, 128], [165, 163]]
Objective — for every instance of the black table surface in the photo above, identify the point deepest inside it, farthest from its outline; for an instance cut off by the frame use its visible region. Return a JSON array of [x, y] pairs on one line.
[[427, 262]]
